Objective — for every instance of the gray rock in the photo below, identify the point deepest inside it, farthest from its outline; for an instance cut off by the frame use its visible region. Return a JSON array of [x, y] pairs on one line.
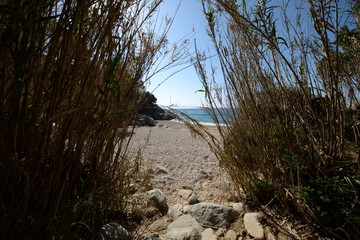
[[165, 179], [193, 199], [231, 235], [208, 234], [184, 228], [158, 226], [114, 231], [185, 193], [253, 226], [158, 197], [223, 186], [144, 120], [175, 211], [160, 170], [212, 214]]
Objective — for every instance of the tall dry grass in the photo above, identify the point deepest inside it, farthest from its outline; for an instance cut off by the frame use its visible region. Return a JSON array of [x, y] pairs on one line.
[[291, 94], [71, 77]]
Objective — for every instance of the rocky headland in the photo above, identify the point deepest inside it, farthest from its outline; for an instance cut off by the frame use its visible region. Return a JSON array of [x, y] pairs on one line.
[[149, 112]]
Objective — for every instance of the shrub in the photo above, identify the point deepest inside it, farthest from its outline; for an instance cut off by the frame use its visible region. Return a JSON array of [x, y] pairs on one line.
[[292, 137], [71, 72]]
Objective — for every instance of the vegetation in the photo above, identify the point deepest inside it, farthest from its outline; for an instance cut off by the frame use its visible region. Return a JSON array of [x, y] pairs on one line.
[[292, 97], [71, 74]]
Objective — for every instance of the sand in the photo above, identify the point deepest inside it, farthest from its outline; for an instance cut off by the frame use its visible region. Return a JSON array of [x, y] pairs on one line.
[[188, 161]]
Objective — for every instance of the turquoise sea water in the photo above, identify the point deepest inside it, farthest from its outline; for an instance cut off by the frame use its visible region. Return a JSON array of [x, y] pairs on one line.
[[200, 115]]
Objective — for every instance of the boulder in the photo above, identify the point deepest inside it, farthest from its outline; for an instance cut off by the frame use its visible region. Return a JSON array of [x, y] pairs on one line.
[[211, 214], [159, 199], [151, 109], [114, 231], [144, 120], [184, 228], [208, 234], [175, 211], [253, 226]]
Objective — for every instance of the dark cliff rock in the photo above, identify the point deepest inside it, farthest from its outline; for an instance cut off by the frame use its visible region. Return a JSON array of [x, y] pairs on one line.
[[150, 111]]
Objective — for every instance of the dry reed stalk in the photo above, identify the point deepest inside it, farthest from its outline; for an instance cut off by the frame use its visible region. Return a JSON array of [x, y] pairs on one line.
[[288, 135], [72, 74]]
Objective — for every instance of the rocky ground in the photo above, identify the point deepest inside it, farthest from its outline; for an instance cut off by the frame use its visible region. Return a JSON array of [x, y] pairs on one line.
[[177, 160], [192, 197]]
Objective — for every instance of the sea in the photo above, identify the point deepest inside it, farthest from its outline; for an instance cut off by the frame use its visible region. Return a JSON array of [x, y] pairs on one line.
[[201, 115]]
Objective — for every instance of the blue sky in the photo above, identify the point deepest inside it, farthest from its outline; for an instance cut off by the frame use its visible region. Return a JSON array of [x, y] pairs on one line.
[[189, 22], [182, 87]]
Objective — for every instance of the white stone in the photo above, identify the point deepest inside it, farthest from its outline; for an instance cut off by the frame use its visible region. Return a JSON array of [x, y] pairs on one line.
[[231, 235], [238, 207], [253, 226], [208, 234]]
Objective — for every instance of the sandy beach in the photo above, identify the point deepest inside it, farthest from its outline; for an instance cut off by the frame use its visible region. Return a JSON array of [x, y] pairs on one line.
[[180, 161]]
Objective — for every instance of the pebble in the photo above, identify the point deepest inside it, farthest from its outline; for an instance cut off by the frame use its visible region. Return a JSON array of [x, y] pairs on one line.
[[220, 232], [208, 234], [193, 199], [238, 207], [160, 170], [231, 235], [223, 186]]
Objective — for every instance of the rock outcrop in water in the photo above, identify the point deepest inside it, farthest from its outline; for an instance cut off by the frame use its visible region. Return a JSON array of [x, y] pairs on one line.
[[149, 111]]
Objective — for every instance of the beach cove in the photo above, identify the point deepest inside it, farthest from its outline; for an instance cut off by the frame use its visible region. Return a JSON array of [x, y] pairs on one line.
[[191, 196]]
